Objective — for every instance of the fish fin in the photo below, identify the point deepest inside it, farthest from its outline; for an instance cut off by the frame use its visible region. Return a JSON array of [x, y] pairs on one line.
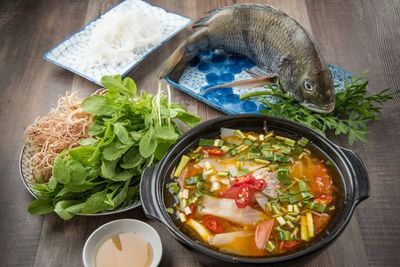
[[250, 83], [185, 52], [259, 72], [206, 20]]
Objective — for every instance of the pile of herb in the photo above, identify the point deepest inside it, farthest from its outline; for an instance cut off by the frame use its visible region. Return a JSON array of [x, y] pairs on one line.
[[353, 110], [129, 132]]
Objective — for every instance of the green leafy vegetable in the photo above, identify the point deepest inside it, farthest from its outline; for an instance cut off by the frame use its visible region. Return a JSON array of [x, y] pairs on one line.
[[353, 109], [129, 132]]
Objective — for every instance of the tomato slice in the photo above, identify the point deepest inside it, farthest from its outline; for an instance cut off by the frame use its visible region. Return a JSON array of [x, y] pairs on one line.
[[290, 244], [245, 179], [259, 185], [263, 232], [244, 196], [213, 151], [213, 224], [231, 192]]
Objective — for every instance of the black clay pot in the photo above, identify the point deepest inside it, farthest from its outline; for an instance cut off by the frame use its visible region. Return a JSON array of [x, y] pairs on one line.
[[352, 178]]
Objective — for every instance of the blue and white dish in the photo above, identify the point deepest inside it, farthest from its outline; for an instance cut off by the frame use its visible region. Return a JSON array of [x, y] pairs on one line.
[[68, 54], [216, 67]]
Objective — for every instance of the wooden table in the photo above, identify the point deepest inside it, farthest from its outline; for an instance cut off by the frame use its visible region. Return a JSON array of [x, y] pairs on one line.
[[356, 35]]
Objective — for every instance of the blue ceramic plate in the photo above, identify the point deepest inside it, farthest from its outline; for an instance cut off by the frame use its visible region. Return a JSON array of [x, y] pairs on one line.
[[215, 67], [69, 54]]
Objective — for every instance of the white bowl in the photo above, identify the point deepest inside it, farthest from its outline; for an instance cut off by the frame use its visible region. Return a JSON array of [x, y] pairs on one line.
[[121, 226]]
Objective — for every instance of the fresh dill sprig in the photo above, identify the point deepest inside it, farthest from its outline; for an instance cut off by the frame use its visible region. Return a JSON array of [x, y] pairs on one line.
[[353, 109]]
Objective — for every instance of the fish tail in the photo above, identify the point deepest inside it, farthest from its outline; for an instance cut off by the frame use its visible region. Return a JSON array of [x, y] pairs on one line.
[[186, 51]]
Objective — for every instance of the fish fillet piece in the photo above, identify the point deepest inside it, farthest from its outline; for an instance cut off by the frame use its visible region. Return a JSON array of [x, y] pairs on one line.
[[226, 208], [238, 242]]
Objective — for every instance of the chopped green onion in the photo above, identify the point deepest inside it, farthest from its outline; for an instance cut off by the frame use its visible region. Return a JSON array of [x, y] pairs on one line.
[[316, 207], [261, 161], [284, 235], [225, 148], [302, 142], [173, 188], [239, 134], [270, 246], [270, 134], [261, 137], [268, 155], [192, 180], [289, 142], [206, 142], [218, 142], [170, 210], [275, 209], [223, 174], [182, 217], [290, 218], [248, 142], [283, 176], [268, 206], [251, 138], [280, 220], [233, 152], [182, 164], [290, 224]]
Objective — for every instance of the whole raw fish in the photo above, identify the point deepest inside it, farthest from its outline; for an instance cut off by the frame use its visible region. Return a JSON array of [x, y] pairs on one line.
[[275, 42]]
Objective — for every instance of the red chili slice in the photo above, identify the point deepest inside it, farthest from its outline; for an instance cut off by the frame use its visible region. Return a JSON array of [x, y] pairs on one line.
[[213, 151], [245, 179], [213, 224], [244, 196], [231, 192], [259, 185]]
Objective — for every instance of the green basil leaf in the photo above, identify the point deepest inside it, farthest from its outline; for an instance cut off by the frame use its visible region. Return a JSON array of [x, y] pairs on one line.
[[166, 133], [121, 133], [148, 143], [130, 84], [88, 141], [60, 171], [96, 203], [41, 206], [77, 172], [131, 159], [115, 150]]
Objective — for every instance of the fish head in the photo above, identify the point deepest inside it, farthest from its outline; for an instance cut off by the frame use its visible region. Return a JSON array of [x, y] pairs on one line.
[[316, 91]]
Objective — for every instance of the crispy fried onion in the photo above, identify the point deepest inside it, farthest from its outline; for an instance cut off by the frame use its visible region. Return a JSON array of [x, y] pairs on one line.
[[60, 129]]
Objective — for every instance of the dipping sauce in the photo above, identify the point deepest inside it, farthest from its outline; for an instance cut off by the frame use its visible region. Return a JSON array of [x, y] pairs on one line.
[[124, 250]]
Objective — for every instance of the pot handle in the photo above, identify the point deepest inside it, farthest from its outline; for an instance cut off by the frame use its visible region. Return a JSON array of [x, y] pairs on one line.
[[361, 180], [148, 197]]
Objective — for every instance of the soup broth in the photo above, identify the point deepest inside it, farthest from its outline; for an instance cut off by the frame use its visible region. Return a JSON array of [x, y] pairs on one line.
[[253, 194]]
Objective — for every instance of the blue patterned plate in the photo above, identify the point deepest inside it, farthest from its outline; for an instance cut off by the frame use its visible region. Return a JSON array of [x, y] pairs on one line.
[[215, 67], [69, 54]]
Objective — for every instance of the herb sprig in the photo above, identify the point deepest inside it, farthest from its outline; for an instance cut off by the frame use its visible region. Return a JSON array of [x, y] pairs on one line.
[[353, 110]]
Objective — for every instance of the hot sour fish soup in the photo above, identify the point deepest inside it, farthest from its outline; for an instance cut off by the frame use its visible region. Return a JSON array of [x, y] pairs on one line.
[[253, 194]]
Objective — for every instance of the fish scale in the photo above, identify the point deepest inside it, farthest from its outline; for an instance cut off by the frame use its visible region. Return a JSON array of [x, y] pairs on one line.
[[274, 41]]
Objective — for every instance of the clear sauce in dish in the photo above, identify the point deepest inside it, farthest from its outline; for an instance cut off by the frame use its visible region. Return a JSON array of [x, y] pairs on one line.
[[123, 250]]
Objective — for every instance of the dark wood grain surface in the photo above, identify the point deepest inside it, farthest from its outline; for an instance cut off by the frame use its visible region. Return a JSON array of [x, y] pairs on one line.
[[356, 35]]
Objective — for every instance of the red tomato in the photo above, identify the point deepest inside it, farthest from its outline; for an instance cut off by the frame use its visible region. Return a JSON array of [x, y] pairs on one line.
[[259, 185], [290, 244], [323, 199], [263, 232], [244, 196], [245, 179], [231, 192], [213, 224], [213, 151]]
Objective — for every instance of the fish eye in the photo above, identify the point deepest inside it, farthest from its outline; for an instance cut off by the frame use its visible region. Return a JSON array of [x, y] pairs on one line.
[[308, 85]]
